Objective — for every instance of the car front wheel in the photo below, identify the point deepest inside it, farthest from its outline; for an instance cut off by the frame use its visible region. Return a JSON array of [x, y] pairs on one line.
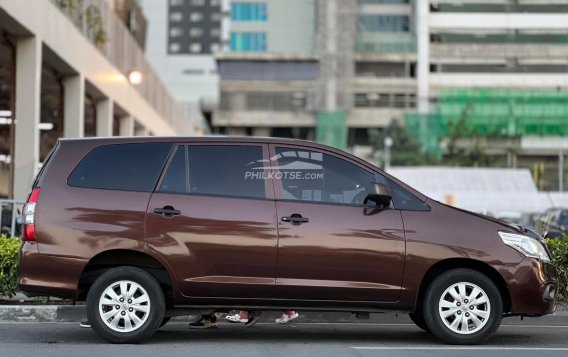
[[463, 306], [125, 305]]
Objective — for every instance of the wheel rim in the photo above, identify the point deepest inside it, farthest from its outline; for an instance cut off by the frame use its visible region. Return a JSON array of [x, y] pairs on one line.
[[124, 306], [464, 308]]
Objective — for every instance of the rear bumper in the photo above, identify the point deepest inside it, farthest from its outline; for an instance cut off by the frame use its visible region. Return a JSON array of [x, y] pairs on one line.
[[533, 288], [48, 275]]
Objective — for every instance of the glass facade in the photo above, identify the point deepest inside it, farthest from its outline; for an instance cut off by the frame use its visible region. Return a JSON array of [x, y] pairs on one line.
[[249, 11], [384, 23], [248, 42]]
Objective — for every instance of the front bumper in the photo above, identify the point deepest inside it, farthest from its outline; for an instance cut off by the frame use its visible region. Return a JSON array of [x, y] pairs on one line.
[[532, 287]]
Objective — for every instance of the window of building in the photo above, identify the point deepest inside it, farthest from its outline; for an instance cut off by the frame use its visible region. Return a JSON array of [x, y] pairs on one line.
[[197, 2], [176, 2], [196, 32], [248, 42], [176, 16], [383, 1], [176, 179], [226, 170], [249, 11], [130, 167], [384, 23], [195, 17], [214, 47], [195, 47], [175, 31], [215, 33], [215, 3], [216, 17], [319, 177], [174, 47]]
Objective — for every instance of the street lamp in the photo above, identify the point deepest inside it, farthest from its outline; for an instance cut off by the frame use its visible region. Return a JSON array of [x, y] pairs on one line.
[[135, 77]]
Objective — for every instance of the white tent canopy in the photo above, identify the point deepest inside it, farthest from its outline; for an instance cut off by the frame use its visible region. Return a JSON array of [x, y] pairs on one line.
[[491, 190]]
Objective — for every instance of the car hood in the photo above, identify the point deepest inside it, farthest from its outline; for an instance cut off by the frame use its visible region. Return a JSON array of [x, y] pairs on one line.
[[510, 226]]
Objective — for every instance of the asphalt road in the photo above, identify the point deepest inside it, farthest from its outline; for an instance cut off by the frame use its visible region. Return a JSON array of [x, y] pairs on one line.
[[298, 339]]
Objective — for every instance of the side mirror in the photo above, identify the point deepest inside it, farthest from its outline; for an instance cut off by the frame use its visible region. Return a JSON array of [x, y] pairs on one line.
[[381, 196]]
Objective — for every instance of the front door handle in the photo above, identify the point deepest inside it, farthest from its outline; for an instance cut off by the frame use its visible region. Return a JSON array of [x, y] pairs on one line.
[[295, 219], [167, 211]]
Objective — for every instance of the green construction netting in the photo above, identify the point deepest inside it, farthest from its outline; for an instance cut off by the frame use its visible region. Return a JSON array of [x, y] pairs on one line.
[[331, 129], [493, 112]]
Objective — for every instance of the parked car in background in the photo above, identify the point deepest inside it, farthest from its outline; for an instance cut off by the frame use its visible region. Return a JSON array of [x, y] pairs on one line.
[[144, 229], [526, 220], [553, 223]]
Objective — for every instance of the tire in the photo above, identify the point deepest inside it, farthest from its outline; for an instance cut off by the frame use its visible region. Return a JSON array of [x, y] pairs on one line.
[[487, 307], [165, 320], [418, 318], [133, 321]]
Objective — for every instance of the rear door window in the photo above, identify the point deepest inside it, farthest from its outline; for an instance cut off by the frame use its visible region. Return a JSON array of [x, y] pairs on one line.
[[128, 167], [176, 179], [226, 170]]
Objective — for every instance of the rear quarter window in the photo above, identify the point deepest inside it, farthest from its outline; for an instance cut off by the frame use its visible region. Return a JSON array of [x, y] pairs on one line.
[[128, 167]]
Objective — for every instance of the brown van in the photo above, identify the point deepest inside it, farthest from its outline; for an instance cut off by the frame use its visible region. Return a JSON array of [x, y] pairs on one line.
[[144, 229]]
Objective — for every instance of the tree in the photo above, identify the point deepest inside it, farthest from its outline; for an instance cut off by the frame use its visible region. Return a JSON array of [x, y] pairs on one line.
[[405, 150]]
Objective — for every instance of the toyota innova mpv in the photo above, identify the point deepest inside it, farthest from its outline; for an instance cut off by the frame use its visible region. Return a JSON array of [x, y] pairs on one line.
[[144, 229]]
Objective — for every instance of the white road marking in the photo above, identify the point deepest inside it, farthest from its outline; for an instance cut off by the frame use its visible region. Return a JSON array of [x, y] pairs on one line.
[[473, 348]]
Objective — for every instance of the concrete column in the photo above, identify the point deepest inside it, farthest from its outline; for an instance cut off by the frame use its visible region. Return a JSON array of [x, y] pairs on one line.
[[423, 58], [236, 131], [141, 131], [261, 132], [126, 126], [104, 117], [74, 104], [27, 116]]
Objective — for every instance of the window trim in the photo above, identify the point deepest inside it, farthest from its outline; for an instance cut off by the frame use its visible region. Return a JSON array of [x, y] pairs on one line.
[[268, 184], [278, 189]]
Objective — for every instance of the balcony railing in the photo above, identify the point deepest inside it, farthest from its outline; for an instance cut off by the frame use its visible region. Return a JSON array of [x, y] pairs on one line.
[[96, 20]]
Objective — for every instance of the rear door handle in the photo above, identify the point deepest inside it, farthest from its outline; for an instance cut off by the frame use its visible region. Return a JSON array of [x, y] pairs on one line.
[[167, 211], [295, 219]]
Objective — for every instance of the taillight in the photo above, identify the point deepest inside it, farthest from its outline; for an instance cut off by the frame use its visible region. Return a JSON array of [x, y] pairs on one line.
[[29, 213]]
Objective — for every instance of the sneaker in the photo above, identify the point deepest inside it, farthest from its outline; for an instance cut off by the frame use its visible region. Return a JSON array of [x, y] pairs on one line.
[[236, 318], [286, 318], [85, 323]]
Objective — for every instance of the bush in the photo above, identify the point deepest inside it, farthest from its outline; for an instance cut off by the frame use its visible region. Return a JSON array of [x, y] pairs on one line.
[[558, 248], [9, 248]]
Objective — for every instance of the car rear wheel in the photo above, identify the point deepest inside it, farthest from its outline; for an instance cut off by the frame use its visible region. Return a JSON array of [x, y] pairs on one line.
[[125, 305], [463, 306]]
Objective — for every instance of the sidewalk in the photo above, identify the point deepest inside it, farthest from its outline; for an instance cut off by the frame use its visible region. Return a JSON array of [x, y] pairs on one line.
[[69, 313]]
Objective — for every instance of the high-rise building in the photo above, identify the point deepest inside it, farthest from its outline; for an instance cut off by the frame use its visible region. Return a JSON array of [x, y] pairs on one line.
[[182, 37], [421, 62]]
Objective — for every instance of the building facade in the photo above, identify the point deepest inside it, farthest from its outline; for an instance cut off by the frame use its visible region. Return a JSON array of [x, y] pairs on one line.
[[415, 61], [67, 69]]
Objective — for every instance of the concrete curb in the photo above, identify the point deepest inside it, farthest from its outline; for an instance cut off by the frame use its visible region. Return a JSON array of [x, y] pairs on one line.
[[69, 313]]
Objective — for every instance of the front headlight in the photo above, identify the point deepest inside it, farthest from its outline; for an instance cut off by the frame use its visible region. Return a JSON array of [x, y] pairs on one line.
[[526, 245]]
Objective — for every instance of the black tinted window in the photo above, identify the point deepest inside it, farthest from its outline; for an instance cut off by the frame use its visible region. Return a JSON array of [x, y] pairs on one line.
[[176, 178], [227, 170], [405, 200], [318, 177], [131, 167]]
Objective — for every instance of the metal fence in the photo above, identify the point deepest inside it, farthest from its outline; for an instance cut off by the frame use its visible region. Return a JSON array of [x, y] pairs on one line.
[[11, 217]]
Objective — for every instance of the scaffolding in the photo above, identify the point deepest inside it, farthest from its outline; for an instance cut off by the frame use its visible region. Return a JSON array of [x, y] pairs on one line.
[[494, 113]]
